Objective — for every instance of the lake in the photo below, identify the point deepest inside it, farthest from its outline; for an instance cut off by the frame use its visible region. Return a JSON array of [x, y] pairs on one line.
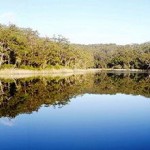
[[88, 111]]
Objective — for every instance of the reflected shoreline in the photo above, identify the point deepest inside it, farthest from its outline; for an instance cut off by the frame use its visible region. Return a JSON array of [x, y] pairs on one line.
[[26, 95]]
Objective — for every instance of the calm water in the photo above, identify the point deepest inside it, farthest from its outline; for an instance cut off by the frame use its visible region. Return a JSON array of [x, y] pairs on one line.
[[93, 111]]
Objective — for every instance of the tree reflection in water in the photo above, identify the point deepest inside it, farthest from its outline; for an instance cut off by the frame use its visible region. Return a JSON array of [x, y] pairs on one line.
[[28, 95]]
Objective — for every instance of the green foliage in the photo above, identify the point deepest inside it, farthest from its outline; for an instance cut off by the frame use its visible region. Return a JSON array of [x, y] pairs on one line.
[[23, 48], [27, 67], [119, 57], [7, 66], [58, 67]]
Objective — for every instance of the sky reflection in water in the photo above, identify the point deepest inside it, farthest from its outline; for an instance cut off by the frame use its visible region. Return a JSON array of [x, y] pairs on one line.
[[87, 122]]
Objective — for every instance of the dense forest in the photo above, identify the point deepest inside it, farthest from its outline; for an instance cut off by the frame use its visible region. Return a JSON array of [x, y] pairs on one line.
[[24, 48], [27, 95]]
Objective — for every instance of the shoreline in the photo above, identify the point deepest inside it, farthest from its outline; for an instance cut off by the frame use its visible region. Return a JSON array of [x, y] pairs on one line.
[[25, 73], [53, 71]]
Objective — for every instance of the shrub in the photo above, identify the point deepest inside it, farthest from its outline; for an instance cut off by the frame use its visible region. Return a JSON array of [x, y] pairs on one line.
[[7, 66]]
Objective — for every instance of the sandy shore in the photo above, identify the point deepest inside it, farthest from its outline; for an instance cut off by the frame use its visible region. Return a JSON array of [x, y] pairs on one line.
[[22, 73]]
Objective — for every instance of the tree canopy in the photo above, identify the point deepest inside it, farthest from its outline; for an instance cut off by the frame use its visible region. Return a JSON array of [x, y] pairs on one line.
[[24, 48]]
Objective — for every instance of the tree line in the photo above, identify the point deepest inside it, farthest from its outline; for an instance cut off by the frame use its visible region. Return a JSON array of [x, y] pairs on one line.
[[24, 48]]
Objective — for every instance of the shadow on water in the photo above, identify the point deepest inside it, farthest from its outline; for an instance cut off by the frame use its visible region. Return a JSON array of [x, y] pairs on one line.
[[19, 96]]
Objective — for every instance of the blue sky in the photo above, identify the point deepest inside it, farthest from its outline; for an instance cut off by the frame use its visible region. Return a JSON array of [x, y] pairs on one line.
[[88, 21]]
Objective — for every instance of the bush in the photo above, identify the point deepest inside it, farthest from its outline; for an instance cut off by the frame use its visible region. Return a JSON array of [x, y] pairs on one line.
[[27, 67], [118, 67], [125, 66], [7, 66], [58, 67]]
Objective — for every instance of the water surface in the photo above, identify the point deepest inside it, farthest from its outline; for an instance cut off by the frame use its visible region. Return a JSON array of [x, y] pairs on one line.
[[92, 111]]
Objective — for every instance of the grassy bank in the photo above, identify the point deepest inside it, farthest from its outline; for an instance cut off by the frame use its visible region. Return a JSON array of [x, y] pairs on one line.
[[23, 73]]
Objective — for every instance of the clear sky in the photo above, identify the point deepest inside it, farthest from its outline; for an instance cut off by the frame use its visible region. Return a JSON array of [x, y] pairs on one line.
[[82, 21]]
